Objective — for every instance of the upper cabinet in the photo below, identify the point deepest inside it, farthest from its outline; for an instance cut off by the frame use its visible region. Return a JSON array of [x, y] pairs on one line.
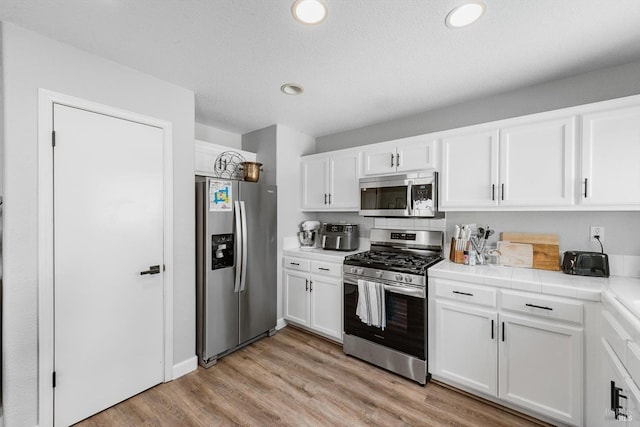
[[330, 181], [529, 163], [402, 155], [206, 154], [611, 158]]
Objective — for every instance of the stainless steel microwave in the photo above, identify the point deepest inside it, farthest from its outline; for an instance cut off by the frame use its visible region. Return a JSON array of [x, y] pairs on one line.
[[412, 195]]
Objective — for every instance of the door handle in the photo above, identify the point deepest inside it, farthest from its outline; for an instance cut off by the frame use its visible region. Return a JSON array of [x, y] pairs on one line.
[[154, 269]]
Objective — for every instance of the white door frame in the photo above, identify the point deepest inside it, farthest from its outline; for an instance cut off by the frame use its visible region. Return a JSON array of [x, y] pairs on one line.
[[46, 100]]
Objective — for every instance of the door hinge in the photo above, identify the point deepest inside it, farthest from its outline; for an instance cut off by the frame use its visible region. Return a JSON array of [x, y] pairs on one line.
[[53, 379], [53, 138]]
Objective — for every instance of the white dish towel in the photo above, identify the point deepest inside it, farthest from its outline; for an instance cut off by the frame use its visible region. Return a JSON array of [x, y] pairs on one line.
[[371, 304]]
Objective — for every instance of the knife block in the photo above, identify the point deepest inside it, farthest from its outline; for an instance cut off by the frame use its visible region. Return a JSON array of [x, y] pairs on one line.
[[454, 255]]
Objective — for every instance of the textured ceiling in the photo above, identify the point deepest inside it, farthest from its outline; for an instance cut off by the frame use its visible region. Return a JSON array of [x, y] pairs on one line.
[[370, 61]]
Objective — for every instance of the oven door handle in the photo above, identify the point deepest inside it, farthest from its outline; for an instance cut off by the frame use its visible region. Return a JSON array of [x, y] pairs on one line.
[[411, 292]]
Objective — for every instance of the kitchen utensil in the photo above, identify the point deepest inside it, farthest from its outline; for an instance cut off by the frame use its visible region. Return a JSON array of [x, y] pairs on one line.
[[516, 254], [251, 171], [546, 249], [307, 239]]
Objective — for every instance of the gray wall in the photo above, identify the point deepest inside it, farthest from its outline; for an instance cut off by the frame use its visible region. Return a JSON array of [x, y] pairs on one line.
[[621, 237], [599, 85], [30, 62], [263, 142]]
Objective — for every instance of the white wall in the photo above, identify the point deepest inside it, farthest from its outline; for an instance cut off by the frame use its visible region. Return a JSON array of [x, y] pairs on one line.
[[30, 62], [218, 136]]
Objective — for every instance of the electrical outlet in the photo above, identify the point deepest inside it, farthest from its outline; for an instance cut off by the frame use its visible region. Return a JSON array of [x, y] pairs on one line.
[[596, 230]]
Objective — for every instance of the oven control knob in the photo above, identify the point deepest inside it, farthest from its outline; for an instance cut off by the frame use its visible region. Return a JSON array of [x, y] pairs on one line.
[[353, 270], [359, 270], [407, 279], [399, 277], [379, 274]]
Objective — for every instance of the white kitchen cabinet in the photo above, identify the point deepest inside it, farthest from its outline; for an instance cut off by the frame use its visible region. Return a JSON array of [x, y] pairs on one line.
[[610, 158], [416, 153], [296, 297], [541, 367], [469, 175], [326, 305], [313, 295], [205, 154], [465, 346], [522, 349], [330, 182], [528, 163], [537, 163]]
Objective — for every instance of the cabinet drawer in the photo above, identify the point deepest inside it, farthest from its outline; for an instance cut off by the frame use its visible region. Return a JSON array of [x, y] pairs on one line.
[[326, 268], [615, 335], [296, 263], [542, 306], [465, 292]]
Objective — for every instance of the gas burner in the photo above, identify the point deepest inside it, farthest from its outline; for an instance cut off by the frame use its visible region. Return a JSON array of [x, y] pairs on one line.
[[403, 262]]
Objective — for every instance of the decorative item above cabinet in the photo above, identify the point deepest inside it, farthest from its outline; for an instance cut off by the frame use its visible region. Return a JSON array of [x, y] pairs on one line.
[[206, 154]]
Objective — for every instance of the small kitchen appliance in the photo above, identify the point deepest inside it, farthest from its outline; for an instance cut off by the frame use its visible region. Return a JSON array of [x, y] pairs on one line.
[[410, 195], [581, 263], [340, 237], [307, 236], [394, 273]]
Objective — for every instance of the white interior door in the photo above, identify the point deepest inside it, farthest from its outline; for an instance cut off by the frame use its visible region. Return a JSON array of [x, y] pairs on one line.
[[108, 225]]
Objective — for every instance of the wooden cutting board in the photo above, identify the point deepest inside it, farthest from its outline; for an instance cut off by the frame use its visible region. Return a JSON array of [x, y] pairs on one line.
[[516, 254], [546, 249]]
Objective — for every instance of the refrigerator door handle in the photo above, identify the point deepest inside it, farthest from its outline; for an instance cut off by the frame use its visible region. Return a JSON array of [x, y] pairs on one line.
[[239, 248], [243, 276]]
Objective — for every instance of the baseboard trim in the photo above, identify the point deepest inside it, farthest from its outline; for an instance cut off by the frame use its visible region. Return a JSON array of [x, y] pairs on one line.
[[281, 323], [184, 367]]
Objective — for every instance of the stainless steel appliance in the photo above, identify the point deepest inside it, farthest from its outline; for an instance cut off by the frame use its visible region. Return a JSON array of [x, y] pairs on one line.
[[398, 262], [235, 265], [412, 195], [340, 237], [586, 263]]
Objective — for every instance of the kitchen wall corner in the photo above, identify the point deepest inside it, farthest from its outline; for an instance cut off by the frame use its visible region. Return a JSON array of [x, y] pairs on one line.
[[218, 136]]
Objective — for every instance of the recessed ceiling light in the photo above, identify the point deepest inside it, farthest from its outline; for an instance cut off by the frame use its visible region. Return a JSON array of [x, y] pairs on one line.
[[309, 11], [465, 14], [291, 89]]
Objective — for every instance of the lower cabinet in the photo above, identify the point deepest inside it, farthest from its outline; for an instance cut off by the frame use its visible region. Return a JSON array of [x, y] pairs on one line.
[[523, 351], [314, 300]]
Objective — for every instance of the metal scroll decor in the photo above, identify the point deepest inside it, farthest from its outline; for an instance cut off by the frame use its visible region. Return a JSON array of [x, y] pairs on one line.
[[228, 164]]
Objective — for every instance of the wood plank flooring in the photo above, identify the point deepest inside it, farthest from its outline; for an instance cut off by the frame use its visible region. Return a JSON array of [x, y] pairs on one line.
[[297, 379]]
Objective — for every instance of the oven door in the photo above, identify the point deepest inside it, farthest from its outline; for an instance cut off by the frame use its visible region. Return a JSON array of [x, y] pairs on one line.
[[405, 307], [385, 197]]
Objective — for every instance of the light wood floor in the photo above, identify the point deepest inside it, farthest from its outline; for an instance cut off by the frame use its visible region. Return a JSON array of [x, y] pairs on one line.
[[297, 379]]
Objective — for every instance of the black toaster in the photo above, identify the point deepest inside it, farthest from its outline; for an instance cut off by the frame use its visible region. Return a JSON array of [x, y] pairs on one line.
[[586, 263]]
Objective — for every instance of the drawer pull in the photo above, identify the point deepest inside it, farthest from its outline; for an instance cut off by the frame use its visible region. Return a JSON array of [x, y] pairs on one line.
[[323, 269], [463, 293], [294, 263], [539, 306]]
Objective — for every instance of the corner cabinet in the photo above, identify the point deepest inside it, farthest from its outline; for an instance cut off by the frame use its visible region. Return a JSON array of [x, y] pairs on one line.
[[611, 158], [415, 153], [330, 182], [527, 164], [313, 295]]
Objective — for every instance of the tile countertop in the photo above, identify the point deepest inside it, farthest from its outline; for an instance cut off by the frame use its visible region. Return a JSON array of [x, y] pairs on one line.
[[625, 289], [322, 254]]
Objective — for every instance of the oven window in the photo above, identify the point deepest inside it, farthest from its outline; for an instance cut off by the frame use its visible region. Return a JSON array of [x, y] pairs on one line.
[[406, 322], [383, 198]]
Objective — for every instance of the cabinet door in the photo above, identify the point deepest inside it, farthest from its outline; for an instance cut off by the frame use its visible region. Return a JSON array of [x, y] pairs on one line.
[[296, 297], [315, 183], [537, 163], [470, 170], [416, 154], [379, 160], [540, 367], [465, 346], [326, 305], [610, 158], [613, 376], [344, 182]]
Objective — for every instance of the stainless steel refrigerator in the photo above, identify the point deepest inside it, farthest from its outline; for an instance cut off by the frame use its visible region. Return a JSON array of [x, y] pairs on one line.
[[235, 265]]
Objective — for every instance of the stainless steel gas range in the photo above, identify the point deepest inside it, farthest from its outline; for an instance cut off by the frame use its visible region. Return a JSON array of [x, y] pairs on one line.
[[385, 300]]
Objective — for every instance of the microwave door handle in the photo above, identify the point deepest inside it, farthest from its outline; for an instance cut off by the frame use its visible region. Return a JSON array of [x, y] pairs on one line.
[[409, 199]]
